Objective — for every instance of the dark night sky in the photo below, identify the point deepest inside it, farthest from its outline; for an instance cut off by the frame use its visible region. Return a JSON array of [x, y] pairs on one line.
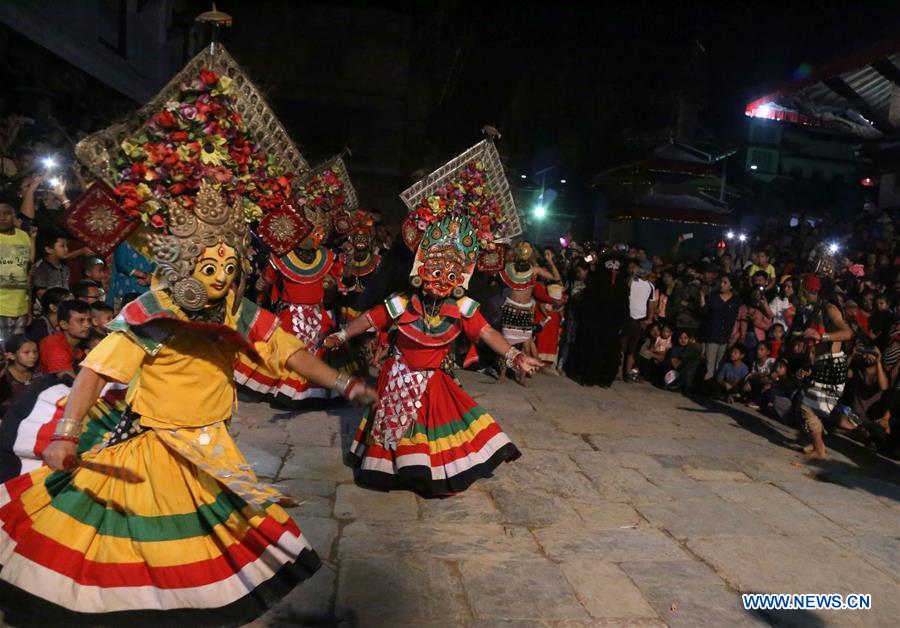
[[591, 84], [585, 80]]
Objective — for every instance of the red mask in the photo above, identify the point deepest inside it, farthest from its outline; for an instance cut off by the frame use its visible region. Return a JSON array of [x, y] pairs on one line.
[[440, 274]]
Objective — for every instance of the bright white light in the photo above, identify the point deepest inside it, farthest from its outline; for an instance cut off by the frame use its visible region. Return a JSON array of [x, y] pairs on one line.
[[540, 211], [764, 111], [754, 167], [563, 242], [742, 237], [49, 163], [55, 182], [730, 235], [834, 247], [523, 176], [562, 180]]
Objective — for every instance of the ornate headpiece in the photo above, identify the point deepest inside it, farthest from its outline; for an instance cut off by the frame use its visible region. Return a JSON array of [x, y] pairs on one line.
[[452, 240], [522, 252], [209, 222], [198, 164], [325, 192], [465, 205]]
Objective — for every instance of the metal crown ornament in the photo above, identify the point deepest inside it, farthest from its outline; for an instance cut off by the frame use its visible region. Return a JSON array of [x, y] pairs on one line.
[[211, 221]]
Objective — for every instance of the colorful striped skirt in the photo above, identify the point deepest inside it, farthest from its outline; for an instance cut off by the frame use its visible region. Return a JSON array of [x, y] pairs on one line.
[[309, 323], [190, 544], [451, 443]]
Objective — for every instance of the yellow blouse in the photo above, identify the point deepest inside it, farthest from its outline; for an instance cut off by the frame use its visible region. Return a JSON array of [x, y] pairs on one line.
[[189, 382]]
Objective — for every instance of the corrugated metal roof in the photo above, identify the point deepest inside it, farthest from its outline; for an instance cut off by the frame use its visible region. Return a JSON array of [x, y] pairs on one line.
[[849, 92]]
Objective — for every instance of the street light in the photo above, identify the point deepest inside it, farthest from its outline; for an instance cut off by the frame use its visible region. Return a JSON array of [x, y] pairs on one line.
[[523, 176], [562, 180]]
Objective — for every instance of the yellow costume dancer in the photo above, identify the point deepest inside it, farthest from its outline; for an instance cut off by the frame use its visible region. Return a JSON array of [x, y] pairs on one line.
[[154, 516]]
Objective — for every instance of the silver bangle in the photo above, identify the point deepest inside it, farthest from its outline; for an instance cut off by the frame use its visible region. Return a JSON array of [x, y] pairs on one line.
[[342, 335], [511, 356], [341, 383], [68, 428]]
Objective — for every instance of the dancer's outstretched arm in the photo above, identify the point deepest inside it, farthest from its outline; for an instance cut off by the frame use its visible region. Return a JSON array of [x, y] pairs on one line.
[[514, 358], [85, 391]]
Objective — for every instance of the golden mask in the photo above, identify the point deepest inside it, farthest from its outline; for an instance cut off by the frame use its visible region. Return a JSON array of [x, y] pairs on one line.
[[216, 269]]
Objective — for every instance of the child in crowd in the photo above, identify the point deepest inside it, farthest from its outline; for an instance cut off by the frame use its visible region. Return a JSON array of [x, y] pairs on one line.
[[96, 270], [51, 271], [654, 348], [101, 314], [21, 362], [683, 362], [759, 378], [47, 324], [776, 340], [732, 373]]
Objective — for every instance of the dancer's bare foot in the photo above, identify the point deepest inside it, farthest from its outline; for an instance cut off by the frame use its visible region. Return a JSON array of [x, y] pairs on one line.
[[808, 449], [815, 455]]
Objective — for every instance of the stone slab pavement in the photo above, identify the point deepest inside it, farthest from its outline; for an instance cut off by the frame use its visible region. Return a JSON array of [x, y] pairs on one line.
[[629, 507]]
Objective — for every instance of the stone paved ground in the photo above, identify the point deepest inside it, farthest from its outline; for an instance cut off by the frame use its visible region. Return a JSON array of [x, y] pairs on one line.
[[629, 507]]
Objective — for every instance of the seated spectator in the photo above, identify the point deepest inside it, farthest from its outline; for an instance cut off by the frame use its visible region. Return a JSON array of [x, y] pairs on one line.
[[797, 350], [61, 352], [776, 340], [101, 314], [646, 357], [88, 290], [890, 359], [51, 270], [732, 373], [21, 361], [47, 323], [867, 382], [759, 378], [682, 365]]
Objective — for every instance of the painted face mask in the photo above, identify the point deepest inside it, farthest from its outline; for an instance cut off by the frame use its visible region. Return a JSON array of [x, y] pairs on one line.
[[442, 271], [362, 240], [217, 269], [314, 239]]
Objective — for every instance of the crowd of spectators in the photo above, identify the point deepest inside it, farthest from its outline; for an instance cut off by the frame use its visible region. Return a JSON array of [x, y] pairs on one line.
[[746, 321], [53, 290], [798, 320]]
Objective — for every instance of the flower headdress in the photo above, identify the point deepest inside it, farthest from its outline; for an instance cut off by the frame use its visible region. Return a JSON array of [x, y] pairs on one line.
[[325, 192], [465, 204], [199, 163]]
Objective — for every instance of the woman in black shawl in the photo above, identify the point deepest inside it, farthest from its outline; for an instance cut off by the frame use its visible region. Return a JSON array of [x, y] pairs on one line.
[[601, 313]]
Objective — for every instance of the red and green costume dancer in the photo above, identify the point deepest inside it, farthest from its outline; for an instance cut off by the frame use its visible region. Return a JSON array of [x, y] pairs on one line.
[[425, 433]]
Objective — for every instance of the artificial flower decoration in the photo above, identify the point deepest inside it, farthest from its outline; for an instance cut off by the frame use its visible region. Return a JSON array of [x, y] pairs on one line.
[[467, 194], [197, 135], [322, 190]]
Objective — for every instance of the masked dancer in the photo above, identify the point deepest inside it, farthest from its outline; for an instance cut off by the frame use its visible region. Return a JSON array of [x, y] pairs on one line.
[[150, 515], [427, 435]]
